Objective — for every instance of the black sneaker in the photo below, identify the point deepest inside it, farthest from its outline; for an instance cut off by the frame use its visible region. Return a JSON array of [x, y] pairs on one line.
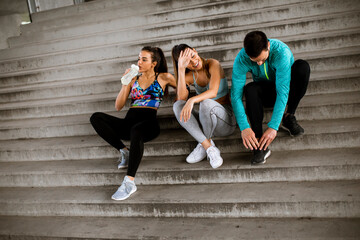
[[260, 156], [290, 124]]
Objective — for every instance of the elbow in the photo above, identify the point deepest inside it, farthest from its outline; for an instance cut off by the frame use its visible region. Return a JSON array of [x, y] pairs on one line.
[[117, 107], [213, 94]]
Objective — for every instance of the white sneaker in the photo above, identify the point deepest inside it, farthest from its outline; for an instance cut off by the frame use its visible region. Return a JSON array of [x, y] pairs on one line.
[[127, 188], [197, 155], [213, 154], [123, 159]]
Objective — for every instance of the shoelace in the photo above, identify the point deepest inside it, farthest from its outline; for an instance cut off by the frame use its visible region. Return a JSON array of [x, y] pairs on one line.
[[211, 153], [198, 148], [123, 159]]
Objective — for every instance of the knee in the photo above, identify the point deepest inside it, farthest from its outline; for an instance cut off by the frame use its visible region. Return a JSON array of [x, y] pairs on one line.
[[95, 118], [302, 66], [250, 90], [178, 106], [206, 105]]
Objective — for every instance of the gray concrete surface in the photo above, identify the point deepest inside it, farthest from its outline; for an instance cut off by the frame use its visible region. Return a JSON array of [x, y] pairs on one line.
[[57, 176]]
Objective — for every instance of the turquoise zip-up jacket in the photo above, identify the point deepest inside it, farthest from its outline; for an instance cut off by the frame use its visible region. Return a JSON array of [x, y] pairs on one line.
[[277, 68]]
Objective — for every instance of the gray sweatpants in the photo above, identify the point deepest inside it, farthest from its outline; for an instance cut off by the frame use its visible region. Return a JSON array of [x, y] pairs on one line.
[[216, 120]]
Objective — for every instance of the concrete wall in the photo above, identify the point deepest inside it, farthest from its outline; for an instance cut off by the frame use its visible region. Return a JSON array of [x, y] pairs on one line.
[[44, 5], [12, 13]]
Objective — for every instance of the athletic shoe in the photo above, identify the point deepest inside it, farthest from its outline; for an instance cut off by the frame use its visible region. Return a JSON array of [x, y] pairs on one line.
[[290, 124], [127, 188], [197, 155], [213, 154], [260, 156], [123, 159]]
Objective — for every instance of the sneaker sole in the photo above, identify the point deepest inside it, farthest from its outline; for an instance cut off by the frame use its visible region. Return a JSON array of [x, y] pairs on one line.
[[285, 128], [265, 157], [195, 161], [216, 166], [122, 167], [119, 199]]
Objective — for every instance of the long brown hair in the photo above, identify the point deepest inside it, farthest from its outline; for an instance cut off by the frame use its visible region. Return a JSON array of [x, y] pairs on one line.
[[175, 53]]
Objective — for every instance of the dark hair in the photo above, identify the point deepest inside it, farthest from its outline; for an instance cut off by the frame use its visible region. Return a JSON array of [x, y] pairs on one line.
[[158, 56], [175, 53], [254, 43]]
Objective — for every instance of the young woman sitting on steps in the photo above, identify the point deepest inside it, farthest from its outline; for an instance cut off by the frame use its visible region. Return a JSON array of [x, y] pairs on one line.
[[140, 124]]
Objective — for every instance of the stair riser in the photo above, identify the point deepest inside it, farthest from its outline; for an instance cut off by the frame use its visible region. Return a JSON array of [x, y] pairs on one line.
[[320, 173], [335, 110], [312, 42], [119, 18], [111, 87], [122, 8], [228, 210], [169, 122], [75, 129], [101, 69], [121, 28], [227, 145], [114, 51]]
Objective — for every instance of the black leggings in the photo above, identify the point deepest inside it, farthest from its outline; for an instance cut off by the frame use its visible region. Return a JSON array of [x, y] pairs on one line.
[[139, 125], [263, 94]]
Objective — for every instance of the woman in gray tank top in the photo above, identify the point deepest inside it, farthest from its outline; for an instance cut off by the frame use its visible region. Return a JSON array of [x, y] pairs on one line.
[[215, 117]]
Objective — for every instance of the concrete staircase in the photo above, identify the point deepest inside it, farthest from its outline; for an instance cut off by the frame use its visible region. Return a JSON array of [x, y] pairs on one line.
[[57, 175]]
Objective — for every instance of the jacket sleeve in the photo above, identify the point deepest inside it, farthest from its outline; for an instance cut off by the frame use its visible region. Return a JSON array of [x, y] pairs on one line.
[[282, 65], [240, 69]]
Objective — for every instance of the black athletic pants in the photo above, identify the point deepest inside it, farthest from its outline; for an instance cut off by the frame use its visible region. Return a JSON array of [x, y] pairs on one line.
[[139, 125], [263, 94]]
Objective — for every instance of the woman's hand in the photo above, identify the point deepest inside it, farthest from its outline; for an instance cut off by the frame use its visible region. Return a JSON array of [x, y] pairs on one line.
[[184, 58], [186, 111], [249, 139]]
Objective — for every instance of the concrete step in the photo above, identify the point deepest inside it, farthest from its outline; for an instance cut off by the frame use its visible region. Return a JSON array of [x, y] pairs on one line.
[[14, 227], [105, 102], [320, 134], [320, 82], [343, 58], [117, 31], [282, 166], [117, 9], [344, 80], [298, 43], [111, 52], [314, 107], [329, 199], [159, 13]]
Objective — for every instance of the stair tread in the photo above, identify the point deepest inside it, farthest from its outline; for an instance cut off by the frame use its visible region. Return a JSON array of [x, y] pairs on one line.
[[350, 125], [175, 22], [176, 228], [315, 76], [349, 97], [323, 191], [172, 164]]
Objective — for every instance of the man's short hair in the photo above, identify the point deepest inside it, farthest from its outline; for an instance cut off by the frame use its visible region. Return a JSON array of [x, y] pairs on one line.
[[255, 42]]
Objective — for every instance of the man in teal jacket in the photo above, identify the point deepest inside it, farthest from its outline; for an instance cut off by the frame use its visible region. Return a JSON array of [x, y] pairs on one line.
[[278, 81]]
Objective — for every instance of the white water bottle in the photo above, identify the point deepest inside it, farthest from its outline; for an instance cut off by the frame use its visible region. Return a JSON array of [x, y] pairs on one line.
[[126, 79]]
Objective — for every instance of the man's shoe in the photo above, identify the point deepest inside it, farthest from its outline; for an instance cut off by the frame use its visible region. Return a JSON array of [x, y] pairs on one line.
[[260, 156], [123, 159], [127, 188], [290, 124], [213, 154]]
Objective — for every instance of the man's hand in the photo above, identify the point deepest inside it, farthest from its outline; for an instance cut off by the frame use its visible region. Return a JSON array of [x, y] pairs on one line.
[[268, 136], [249, 139]]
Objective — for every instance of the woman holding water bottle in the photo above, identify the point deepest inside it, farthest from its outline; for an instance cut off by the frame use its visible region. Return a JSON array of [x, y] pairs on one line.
[[140, 124]]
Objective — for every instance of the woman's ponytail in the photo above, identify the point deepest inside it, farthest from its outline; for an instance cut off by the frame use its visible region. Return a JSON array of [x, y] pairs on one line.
[[157, 56]]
